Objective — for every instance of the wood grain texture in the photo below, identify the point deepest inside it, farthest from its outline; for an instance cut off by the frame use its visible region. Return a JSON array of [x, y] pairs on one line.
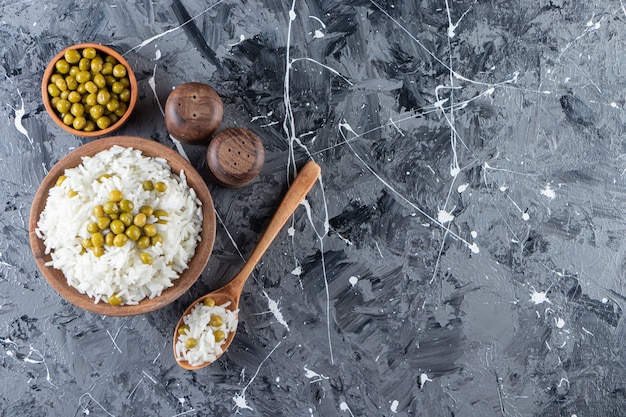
[[197, 264], [193, 111], [235, 157]]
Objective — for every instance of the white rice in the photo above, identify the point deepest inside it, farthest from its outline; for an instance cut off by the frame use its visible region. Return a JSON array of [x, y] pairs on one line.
[[207, 349], [63, 225]]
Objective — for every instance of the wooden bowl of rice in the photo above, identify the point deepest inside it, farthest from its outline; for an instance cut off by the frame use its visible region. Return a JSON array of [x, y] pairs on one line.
[[184, 177]]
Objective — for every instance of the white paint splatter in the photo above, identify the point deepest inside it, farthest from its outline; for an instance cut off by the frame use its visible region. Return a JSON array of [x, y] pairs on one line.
[[353, 280], [273, 306], [394, 406], [474, 248], [559, 322], [548, 192], [240, 398], [297, 271], [423, 379], [525, 216], [150, 40], [157, 55], [461, 188], [318, 34], [539, 297], [444, 217], [314, 376], [474, 234], [19, 114], [343, 406], [291, 231]]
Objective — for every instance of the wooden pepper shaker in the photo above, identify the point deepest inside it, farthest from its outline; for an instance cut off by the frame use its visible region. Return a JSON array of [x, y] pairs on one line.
[[193, 111], [235, 156]]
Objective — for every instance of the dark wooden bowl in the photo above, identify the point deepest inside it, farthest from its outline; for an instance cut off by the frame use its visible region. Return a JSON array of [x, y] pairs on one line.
[[197, 264], [104, 50]]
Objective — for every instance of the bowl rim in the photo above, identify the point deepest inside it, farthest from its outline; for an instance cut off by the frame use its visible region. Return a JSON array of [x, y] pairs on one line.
[[96, 133], [187, 278]]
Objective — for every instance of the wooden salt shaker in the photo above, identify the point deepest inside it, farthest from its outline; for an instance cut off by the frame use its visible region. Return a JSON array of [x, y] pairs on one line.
[[235, 156]]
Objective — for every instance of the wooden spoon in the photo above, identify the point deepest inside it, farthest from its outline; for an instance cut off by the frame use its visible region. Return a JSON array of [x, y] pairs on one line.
[[232, 291]]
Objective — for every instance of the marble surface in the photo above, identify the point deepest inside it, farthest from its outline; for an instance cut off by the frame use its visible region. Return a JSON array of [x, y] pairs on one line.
[[462, 255]]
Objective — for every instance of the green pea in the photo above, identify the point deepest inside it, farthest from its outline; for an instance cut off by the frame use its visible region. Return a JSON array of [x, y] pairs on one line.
[[126, 205], [183, 329], [209, 302], [111, 207], [77, 109], [219, 335], [91, 99], [79, 123], [126, 218], [96, 111], [120, 240], [98, 251], [146, 258], [117, 226], [68, 118], [125, 95], [63, 106], [97, 239], [99, 80], [74, 97], [98, 211], [103, 96], [89, 53], [191, 343], [116, 195], [90, 126], [160, 213], [84, 64], [140, 220], [133, 232], [160, 187], [72, 56], [91, 87], [108, 239], [154, 240], [119, 71], [148, 185], [150, 230], [53, 90], [107, 68], [143, 242], [62, 66], [83, 76], [103, 122], [117, 87], [96, 64], [71, 82], [92, 227], [114, 299], [216, 321]]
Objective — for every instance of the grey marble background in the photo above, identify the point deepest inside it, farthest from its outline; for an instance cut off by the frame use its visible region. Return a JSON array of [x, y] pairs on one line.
[[463, 254]]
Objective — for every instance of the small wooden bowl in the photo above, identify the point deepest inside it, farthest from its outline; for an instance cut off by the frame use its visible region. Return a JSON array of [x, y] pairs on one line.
[[102, 50], [197, 264]]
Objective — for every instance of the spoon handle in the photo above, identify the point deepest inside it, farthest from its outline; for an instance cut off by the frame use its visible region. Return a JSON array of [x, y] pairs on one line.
[[295, 194]]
